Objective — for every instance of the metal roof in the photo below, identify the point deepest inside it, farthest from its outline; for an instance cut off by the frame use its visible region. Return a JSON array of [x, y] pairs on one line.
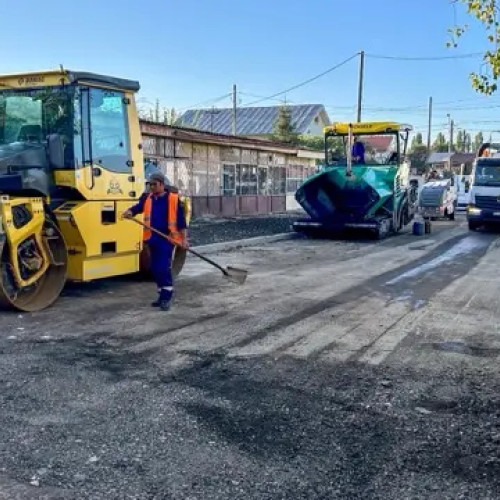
[[250, 121], [454, 157], [439, 157]]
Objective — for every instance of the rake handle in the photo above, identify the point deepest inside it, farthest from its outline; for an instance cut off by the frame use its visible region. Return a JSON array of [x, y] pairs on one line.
[[206, 259]]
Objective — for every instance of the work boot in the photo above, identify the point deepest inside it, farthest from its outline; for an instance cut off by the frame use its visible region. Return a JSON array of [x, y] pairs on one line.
[[164, 305], [156, 303]]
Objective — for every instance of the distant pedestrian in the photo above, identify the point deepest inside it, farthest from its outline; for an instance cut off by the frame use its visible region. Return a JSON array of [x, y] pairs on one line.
[[163, 212]]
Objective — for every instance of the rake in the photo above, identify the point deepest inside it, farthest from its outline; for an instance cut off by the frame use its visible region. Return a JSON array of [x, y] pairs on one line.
[[234, 274]]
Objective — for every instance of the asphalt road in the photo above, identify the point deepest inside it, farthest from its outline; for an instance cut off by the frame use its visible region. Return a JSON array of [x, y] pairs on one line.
[[341, 369]]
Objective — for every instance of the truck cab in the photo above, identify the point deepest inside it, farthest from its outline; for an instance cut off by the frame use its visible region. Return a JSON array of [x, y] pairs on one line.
[[484, 192]]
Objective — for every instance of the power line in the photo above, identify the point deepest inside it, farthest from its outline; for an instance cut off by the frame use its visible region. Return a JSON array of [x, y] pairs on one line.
[[301, 84], [209, 101], [262, 97], [430, 58]]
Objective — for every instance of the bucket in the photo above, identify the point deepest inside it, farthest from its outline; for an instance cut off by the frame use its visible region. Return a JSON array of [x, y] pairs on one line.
[[418, 228]]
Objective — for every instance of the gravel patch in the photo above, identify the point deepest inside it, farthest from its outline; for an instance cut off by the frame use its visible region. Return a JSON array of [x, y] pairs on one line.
[[205, 231]]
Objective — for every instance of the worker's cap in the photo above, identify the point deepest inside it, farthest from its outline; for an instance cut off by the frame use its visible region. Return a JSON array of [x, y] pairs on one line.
[[157, 177]]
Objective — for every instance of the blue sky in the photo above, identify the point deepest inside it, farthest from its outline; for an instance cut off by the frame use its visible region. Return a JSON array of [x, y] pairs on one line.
[[192, 51]]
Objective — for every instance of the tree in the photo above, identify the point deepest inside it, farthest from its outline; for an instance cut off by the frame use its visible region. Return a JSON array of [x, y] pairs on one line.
[[485, 11], [159, 114], [416, 141], [170, 116], [283, 127], [418, 156], [478, 140], [315, 142], [440, 145], [461, 141]]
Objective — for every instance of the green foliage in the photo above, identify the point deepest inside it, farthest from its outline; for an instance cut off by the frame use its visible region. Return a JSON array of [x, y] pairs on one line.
[[464, 142], [440, 145], [159, 114], [418, 152], [418, 156], [315, 142], [170, 116], [416, 141], [478, 140], [485, 11], [283, 128]]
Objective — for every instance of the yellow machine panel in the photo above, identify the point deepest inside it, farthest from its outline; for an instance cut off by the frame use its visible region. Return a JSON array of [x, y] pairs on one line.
[[100, 244], [343, 128], [36, 259]]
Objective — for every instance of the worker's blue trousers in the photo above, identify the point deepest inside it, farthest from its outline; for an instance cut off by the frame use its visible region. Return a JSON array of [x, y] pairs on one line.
[[161, 266]]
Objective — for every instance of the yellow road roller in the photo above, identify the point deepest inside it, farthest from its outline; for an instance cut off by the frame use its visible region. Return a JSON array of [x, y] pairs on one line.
[[71, 162]]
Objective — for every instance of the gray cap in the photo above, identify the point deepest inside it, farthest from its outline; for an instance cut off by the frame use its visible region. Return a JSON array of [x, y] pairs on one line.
[[157, 176]]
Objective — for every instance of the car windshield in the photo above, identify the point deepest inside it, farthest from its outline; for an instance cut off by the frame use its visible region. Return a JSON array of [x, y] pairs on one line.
[[487, 173], [366, 149]]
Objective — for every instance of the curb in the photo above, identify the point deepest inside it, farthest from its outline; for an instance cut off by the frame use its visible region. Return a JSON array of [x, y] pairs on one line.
[[226, 246]]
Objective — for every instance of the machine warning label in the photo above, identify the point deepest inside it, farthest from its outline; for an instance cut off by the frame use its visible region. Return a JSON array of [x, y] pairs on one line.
[[114, 187]]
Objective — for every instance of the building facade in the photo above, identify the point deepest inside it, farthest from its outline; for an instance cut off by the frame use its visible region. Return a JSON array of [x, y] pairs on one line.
[[451, 161], [228, 175]]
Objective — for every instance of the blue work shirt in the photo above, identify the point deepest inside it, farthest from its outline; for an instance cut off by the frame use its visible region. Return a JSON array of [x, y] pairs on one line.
[[358, 149], [159, 215]]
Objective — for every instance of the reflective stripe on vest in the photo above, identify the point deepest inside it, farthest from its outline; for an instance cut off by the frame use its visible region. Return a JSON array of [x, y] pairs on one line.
[[173, 204]]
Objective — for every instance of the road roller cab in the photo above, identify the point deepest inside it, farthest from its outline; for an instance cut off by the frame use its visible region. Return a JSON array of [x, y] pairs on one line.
[[71, 162]]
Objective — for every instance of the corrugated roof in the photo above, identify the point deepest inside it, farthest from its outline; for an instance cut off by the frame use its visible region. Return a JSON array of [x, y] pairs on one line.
[[439, 157], [250, 121], [463, 157], [455, 157]]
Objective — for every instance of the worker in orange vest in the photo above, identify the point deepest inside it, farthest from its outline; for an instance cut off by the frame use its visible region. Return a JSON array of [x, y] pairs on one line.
[[163, 212]]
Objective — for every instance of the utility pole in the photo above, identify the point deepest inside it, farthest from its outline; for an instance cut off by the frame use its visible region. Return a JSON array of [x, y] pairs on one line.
[[451, 136], [360, 83], [430, 126], [234, 109], [449, 132]]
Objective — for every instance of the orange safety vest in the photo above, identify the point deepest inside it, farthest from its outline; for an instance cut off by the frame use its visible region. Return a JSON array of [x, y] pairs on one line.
[[173, 204]]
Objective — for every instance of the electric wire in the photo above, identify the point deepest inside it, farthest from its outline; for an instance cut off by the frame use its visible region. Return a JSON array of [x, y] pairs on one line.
[[305, 82]]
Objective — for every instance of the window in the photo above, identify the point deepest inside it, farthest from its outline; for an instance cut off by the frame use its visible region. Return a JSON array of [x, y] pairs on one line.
[[109, 130], [30, 116], [247, 179], [263, 181], [229, 180], [278, 180], [294, 178]]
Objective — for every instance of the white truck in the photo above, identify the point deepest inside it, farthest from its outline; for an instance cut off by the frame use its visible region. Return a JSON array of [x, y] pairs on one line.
[[484, 193], [462, 181]]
